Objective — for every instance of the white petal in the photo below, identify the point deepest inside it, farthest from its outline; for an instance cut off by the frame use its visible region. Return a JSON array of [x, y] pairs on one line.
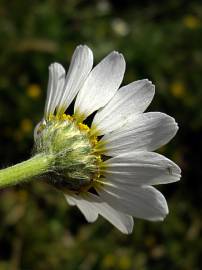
[[133, 98], [70, 200], [81, 65], [122, 222], [142, 202], [55, 86], [85, 206], [141, 168], [101, 85], [147, 131], [91, 205]]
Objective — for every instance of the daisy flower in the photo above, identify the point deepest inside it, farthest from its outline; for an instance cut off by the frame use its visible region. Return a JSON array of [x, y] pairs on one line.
[[107, 168]]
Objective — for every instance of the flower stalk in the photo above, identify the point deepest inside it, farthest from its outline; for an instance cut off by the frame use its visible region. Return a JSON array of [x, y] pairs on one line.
[[25, 171]]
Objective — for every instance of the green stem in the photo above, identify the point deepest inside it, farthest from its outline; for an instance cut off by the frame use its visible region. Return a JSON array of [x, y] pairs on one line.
[[26, 170]]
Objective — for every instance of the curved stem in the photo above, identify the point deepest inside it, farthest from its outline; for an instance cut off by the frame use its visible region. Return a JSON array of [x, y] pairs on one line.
[[26, 170]]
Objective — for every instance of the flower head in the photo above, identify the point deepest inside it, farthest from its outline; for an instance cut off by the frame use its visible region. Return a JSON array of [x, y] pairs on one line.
[[108, 167]]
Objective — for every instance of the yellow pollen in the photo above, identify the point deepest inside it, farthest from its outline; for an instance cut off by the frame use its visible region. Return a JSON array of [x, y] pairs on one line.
[[66, 117], [63, 117], [83, 127]]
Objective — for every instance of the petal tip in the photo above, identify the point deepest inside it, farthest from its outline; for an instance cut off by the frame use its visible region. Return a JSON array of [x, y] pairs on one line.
[[116, 54]]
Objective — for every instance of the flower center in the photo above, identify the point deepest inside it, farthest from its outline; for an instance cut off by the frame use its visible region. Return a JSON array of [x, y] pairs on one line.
[[77, 164]]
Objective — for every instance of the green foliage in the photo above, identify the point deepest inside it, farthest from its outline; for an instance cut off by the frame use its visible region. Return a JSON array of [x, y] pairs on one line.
[[161, 41]]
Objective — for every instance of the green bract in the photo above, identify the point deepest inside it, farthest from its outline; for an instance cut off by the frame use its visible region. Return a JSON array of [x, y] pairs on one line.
[[75, 165]]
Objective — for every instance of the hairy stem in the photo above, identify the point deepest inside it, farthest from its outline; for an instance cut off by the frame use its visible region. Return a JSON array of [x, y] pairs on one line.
[[26, 170]]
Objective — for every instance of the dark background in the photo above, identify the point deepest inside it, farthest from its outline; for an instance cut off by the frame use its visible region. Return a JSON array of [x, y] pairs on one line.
[[161, 41]]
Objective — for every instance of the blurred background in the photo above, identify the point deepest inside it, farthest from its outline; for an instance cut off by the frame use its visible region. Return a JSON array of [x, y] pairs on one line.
[[161, 41]]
